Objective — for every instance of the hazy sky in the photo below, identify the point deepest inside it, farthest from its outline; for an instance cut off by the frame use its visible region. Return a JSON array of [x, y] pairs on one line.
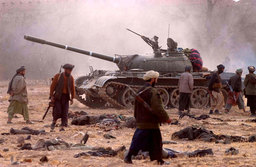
[[100, 26]]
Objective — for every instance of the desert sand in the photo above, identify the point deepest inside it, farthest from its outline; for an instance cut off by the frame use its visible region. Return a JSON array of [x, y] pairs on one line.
[[235, 123]]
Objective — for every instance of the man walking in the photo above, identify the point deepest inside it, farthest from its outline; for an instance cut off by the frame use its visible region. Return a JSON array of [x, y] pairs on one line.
[[61, 92], [235, 97], [186, 84], [250, 89], [215, 85], [149, 113], [18, 96]]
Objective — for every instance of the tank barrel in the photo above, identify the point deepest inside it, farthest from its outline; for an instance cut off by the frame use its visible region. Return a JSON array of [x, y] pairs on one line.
[[100, 56]]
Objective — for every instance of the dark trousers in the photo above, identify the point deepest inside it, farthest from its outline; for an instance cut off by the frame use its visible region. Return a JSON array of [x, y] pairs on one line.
[[60, 110], [147, 140], [184, 101], [251, 102]]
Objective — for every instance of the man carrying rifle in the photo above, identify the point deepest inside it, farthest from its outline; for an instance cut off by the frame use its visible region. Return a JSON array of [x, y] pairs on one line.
[[235, 95], [61, 92], [149, 114]]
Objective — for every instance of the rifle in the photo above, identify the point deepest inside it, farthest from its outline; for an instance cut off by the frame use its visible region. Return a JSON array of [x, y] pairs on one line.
[[48, 108], [231, 90], [51, 104], [137, 97]]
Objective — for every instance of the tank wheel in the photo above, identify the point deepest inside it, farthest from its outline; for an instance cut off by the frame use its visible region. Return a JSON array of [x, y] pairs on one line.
[[164, 96], [199, 98], [127, 98], [174, 99], [91, 101]]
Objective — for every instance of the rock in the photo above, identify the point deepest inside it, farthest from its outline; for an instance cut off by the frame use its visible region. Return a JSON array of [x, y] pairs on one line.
[[5, 149], [252, 138], [232, 151], [26, 146], [44, 159], [108, 136], [130, 122]]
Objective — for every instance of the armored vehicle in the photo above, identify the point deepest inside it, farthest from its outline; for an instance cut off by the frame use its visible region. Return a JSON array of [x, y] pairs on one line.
[[102, 88]]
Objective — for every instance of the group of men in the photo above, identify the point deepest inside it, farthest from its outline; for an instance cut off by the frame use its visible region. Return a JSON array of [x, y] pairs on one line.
[[62, 91], [148, 111], [235, 93]]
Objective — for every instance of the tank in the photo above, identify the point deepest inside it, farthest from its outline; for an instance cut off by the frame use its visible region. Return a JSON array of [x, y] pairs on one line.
[[102, 88]]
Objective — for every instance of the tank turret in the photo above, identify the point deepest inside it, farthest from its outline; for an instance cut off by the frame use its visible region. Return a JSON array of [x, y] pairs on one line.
[[175, 62]]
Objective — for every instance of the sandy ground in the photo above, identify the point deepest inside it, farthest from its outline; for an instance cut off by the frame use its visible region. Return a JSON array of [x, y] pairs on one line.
[[235, 124]]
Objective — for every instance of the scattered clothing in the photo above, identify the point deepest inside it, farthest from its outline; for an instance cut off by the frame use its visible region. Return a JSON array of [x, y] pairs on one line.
[[232, 151], [193, 133], [26, 130]]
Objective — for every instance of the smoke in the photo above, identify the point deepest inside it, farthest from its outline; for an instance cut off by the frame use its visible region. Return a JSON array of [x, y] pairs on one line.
[[226, 36]]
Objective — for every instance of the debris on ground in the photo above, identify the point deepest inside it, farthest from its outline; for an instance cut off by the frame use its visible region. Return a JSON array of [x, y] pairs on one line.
[[232, 151], [76, 114], [85, 138], [108, 136], [5, 149], [193, 133], [26, 130], [101, 152], [130, 122], [169, 142], [44, 159], [252, 138], [200, 153], [201, 117], [26, 146]]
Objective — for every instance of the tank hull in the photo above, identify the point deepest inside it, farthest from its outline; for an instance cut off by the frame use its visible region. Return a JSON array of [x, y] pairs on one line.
[[113, 89]]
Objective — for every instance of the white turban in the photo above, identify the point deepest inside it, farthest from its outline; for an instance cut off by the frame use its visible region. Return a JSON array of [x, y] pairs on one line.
[[150, 74]]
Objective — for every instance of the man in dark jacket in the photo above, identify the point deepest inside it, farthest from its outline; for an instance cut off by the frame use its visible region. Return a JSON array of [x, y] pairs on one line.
[[215, 85], [61, 92], [149, 114], [250, 89], [235, 97]]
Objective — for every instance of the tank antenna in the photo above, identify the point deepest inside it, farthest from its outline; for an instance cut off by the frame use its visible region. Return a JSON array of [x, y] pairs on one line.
[[168, 30]]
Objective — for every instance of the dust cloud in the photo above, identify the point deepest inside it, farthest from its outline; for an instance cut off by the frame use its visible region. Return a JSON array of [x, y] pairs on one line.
[[224, 32]]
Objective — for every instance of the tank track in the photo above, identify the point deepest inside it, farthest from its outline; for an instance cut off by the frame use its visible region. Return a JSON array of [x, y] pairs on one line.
[[114, 101]]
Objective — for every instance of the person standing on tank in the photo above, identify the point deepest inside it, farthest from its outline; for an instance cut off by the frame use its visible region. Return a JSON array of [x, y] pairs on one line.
[[186, 84], [62, 91], [216, 96], [250, 90], [17, 90], [149, 114]]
